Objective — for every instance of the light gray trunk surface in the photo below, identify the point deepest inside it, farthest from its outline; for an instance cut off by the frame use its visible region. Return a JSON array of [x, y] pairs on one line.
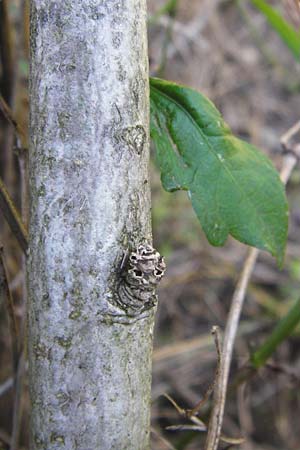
[[90, 361]]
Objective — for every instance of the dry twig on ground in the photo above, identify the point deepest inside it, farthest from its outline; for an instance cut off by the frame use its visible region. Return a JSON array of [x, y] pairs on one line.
[[215, 424]]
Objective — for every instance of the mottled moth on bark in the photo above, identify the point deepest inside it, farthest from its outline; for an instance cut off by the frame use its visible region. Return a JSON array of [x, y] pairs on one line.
[[142, 271]]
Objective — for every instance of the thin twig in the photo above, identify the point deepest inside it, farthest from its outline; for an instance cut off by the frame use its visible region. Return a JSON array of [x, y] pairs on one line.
[[215, 423], [17, 414], [161, 438], [6, 50], [199, 343], [23, 166], [13, 326], [8, 384], [286, 137], [8, 114], [19, 382], [217, 337], [13, 218], [21, 233], [216, 419], [8, 85], [18, 355], [192, 414]]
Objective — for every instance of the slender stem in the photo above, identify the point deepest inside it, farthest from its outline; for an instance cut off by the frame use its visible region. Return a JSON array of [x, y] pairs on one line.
[[216, 419], [217, 337], [10, 309], [283, 330], [6, 51], [8, 384], [8, 87], [17, 414], [18, 355], [286, 137], [8, 114], [12, 217]]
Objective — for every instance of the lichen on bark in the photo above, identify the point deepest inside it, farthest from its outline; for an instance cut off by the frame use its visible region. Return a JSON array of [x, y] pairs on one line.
[[90, 371]]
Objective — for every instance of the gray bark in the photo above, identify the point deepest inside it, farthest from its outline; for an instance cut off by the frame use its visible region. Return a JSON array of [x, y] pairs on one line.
[[90, 355]]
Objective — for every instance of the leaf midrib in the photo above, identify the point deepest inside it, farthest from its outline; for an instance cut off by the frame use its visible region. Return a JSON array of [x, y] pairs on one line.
[[213, 152]]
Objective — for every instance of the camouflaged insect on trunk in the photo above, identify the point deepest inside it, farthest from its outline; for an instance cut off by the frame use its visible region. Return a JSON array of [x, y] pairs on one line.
[[144, 269]]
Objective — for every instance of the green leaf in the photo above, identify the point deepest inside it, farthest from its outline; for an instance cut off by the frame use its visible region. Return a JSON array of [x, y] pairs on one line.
[[233, 187], [287, 33]]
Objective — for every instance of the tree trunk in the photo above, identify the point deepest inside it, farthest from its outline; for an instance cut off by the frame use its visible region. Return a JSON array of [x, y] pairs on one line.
[[90, 321]]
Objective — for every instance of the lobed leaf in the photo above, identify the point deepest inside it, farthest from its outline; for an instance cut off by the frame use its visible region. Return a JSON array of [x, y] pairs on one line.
[[233, 187]]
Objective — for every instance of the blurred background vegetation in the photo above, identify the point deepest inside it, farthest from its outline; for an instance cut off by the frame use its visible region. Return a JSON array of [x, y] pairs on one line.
[[227, 50]]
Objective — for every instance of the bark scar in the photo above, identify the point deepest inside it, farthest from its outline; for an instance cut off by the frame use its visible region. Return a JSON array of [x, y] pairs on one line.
[[141, 271]]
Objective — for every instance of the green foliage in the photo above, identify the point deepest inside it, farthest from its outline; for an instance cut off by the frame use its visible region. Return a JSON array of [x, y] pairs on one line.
[[282, 331], [233, 187], [287, 33]]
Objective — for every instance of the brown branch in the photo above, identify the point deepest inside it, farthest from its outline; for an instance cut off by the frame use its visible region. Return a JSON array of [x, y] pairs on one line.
[[12, 217], [217, 337], [215, 423], [192, 414], [6, 52], [8, 114], [18, 410], [13, 326], [216, 419], [286, 137], [8, 86]]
